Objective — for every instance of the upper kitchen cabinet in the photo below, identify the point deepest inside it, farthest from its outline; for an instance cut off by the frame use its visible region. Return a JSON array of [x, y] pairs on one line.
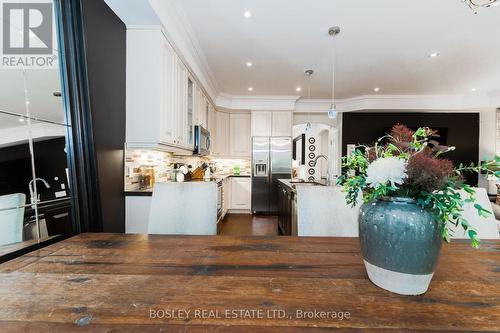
[[160, 94], [221, 137], [261, 123], [275, 123], [282, 123], [239, 143], [201, 108]]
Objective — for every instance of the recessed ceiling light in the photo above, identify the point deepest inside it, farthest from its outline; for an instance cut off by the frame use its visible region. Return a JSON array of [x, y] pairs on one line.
[[20, 119], [434, 55], [473, 89], [250, 88], [247, 14], [298, 89], [376, 89], [249, 64]]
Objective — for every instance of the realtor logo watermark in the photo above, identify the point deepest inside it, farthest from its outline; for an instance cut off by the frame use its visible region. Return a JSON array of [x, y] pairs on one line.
[[27, 35]]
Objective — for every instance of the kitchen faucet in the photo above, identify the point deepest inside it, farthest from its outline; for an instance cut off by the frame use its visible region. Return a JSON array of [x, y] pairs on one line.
[[32, 190], [315, 161]]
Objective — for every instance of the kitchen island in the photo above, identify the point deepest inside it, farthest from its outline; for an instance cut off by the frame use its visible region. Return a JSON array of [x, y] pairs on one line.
[[141, 283], [313, 209]]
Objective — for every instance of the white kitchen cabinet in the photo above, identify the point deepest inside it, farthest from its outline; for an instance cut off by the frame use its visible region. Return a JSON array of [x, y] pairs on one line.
[[239, 137], [222, 134], [181, 108], [137, 214], [226, 199], [200, 108], [261, 123], [157, 94], [275, 123], [240, 193], [282, 123], [212, 127], [168, 116]]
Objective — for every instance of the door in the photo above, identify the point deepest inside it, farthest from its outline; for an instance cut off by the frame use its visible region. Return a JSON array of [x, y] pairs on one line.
[[281, 167], [260, 175]]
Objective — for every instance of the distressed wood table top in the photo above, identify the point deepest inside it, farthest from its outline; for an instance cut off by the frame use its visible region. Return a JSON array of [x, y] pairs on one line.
[[140, 283]]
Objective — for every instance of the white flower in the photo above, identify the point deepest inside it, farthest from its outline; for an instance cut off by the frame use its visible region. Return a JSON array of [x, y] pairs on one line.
[[386, 169]]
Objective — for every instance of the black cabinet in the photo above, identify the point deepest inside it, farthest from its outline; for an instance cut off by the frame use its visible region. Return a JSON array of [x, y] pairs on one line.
[[285, 209]]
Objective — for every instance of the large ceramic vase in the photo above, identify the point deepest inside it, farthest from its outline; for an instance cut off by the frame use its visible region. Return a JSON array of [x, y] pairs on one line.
[[400, 243]]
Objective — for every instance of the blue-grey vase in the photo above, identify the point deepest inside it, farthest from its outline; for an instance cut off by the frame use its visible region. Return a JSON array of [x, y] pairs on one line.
[[400, 243]]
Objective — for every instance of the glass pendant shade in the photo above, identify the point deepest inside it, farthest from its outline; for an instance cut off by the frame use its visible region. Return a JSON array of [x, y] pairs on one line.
[[332, 112]]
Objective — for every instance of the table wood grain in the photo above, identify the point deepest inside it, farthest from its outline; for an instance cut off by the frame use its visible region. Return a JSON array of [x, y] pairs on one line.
[[114, 282]]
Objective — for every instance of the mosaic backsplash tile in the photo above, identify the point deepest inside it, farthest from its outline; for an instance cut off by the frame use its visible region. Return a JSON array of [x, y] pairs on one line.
[[163, 165]]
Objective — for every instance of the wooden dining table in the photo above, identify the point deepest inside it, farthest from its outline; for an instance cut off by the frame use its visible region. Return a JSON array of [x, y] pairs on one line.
[[98, 282]]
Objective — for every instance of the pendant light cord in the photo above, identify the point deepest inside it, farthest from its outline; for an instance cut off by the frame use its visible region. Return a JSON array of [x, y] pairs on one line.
[[309, 79], [333, 74]]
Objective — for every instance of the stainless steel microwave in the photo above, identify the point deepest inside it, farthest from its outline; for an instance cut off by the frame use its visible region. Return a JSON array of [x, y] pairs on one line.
[[201, 141]]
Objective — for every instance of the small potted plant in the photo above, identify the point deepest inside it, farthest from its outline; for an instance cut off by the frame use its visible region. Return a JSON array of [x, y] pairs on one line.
[[411, 196]]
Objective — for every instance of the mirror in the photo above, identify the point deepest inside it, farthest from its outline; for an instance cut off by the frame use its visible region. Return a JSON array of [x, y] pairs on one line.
[[35, 197]]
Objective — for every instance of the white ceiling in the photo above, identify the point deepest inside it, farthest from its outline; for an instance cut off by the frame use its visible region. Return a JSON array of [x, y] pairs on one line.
[[383, 43]]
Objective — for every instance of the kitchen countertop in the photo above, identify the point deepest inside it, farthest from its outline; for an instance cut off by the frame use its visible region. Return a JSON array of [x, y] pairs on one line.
[[216, 178], [293, 184], [112, 282]]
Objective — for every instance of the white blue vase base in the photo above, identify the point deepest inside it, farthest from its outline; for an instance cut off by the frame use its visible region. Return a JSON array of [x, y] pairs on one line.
[[396, 282]]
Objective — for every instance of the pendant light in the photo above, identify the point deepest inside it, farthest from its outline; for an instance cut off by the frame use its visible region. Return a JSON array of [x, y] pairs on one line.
[[332, 111], [309, 74]]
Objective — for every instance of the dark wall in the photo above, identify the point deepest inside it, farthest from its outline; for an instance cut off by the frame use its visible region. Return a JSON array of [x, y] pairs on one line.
[[462, 130], [105, 38]]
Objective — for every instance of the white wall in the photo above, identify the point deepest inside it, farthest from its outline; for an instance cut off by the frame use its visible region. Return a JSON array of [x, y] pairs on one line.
[[487, 138]]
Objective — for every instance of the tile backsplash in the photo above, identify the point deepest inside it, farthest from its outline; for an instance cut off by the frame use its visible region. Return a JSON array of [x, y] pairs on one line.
[[163, 164]]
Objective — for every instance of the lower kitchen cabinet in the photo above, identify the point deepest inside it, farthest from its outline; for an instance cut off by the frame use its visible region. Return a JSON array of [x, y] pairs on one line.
[[241, 193], [287, 211]]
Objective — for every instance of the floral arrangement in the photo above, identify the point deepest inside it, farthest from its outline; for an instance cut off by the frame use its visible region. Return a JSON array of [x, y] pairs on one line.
[[408, 163]]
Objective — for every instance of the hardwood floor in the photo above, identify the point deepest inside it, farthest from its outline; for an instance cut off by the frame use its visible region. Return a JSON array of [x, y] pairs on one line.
[[249, 225]]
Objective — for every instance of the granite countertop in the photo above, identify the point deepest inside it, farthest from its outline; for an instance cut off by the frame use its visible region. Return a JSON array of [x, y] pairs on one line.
[[216, 178]]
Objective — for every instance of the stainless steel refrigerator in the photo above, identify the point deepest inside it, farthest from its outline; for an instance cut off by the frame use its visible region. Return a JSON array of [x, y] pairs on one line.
[[271, 160]]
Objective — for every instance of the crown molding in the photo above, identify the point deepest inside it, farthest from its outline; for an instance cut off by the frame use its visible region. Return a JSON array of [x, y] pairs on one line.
[[267, 103], [180, 33], [364, 102], [400, 102]]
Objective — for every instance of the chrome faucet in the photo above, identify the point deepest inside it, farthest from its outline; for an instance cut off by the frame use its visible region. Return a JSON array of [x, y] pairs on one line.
[[32, 190], [315, 161]]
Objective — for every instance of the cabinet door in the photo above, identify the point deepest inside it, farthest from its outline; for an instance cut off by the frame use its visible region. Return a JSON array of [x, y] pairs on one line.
[[239, 141], [212, 127], [191, 102], [226, 201], [282, 123], [168, 81], [182, 104], [261, 123], [240, 193], [222, 134]]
